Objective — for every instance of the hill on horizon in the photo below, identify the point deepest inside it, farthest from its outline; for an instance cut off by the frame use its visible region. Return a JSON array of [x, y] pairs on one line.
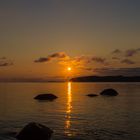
[[106, 79]]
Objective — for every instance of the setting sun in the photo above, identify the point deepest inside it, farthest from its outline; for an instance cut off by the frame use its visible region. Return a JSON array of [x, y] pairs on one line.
[[69, 68]]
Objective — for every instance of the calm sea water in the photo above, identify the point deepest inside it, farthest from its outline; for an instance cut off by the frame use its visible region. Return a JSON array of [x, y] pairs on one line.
[[73, 116]]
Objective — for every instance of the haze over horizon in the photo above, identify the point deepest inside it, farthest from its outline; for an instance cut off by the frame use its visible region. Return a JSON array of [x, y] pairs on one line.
[[41, 38]]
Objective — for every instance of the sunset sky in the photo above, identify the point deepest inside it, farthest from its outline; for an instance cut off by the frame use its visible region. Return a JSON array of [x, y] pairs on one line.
[[41, 38]]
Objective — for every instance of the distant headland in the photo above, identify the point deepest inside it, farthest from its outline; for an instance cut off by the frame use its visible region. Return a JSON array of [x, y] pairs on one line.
[[106, 79]]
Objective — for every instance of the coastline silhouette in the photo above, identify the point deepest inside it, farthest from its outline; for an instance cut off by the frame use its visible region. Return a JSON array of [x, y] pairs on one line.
[[106, 79]]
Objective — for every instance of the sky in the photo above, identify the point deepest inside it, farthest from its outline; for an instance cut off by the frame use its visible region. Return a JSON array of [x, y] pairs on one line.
[[41, 38]]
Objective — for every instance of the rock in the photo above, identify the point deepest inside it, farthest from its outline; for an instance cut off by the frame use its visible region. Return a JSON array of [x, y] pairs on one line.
[[92, 95], [35, 131], [109, 92], [45, 97]]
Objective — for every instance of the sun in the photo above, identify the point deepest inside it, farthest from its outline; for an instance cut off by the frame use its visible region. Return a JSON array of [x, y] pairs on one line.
[[69, 68]]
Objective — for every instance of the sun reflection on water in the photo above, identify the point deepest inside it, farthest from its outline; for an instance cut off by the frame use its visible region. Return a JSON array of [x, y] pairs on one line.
[[69, 107], [68, 110]]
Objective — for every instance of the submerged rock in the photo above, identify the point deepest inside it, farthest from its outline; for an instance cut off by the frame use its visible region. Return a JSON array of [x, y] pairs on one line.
[[92, 95], [35, 131], [109, 92], [45, 97]]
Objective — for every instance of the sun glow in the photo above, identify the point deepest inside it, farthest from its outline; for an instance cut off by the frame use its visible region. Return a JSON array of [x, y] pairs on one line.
[[69, 68]]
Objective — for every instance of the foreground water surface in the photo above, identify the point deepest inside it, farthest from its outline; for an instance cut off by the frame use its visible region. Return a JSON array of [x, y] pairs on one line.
[[73, 116]]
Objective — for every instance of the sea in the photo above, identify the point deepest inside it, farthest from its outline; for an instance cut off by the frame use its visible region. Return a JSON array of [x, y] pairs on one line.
[[73, 115]]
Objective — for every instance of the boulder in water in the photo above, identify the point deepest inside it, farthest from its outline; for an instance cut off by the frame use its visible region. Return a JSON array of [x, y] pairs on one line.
[[35, 131], [45, 97], [92, 95], [109, 92]]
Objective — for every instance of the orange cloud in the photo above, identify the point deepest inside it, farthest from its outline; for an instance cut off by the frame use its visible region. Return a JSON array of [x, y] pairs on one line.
[[4, 62], [59, 55]]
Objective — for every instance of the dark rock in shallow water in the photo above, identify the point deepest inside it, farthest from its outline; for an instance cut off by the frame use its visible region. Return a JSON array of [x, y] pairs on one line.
[[45, 97], [92, 95], [109, 92], [35, 131]]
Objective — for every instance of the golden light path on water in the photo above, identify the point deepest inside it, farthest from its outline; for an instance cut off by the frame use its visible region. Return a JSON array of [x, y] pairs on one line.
[[68, 110]]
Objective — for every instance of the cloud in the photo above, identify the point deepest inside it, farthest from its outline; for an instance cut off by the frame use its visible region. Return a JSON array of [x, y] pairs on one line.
[[100, 60], [2, 58], [42, 60], [118, 71], [127, 61], [117, 51], [74, 62], [86, 68], [115, 58], [83, 59], [126, 53], [4, 64], [59, 55], [131, 52]]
